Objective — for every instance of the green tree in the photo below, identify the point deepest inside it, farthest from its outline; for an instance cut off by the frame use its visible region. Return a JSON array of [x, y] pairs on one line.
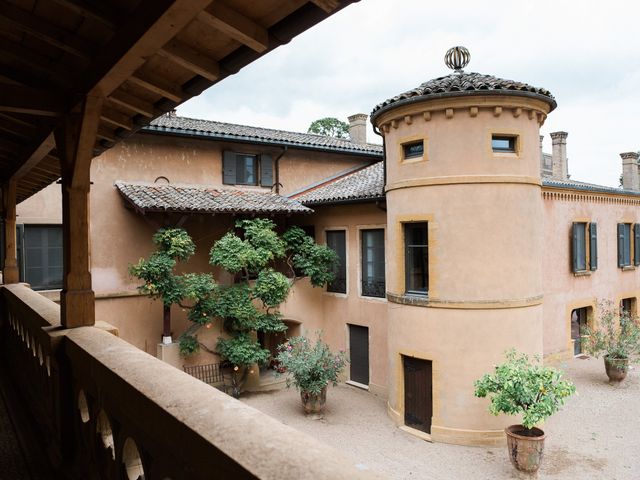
[[158, 272], [252, 254], [330, 126]]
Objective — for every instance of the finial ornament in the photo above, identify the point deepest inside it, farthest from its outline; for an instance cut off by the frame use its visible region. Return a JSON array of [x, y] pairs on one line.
[[457, 58]]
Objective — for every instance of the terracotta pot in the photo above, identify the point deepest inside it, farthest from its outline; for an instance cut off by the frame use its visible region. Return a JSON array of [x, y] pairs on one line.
[[616, 368], [314, 403], [525, 447]]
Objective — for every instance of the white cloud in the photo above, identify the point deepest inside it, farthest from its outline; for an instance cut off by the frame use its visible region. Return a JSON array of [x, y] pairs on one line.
[[586, 53]]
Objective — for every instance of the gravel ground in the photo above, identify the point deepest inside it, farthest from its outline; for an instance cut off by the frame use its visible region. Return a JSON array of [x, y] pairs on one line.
[[595, 436]]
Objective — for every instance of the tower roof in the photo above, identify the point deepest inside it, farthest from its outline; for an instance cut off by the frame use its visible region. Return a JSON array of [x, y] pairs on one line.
[[462, 84]]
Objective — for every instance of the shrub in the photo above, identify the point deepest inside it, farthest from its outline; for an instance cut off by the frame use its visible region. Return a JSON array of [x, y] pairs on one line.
[[616, 334], [519, 386], [311, 365]]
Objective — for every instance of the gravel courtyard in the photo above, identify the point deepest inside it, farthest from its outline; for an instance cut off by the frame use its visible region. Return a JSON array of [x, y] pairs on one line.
[[595, 436]]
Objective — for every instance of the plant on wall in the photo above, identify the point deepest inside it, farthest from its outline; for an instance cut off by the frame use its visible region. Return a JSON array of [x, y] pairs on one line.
[[251, 254]]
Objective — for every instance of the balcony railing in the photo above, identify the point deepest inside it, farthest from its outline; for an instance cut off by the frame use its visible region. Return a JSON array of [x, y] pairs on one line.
[[106, 410]]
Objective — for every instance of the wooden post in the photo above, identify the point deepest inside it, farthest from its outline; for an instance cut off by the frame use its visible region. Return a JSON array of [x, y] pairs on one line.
[[10, 272], [75, 140]]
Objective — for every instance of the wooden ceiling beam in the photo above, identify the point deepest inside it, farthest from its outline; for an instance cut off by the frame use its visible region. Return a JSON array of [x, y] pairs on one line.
[[32, 155], [133, 103], [98, 12], [28, 23], [55, 72], [327, 5], [235, 25], [15, 129], [116, 118], [156, 84], [191, 59], [33, 101], [147, 28], [105, 134]]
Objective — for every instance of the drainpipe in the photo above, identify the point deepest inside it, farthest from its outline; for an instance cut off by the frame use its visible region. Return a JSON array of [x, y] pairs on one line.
[[384, 156], [276, 165]]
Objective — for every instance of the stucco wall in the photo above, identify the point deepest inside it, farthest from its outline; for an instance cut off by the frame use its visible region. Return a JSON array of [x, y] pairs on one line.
[[564, 290]]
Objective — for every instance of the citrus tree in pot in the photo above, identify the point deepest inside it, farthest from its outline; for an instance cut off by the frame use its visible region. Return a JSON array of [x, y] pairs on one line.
[[311, 367], [616, 337], [524, 387]]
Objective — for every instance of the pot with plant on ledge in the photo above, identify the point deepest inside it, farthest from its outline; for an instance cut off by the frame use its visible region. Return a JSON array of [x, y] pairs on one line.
[[616, 337], [522, 387], [311, 367]]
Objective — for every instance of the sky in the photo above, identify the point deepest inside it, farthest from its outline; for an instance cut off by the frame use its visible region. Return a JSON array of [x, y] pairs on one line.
[[586, 53]]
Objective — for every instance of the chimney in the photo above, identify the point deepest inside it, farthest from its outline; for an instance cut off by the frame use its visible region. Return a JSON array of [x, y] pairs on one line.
[[559, 155], [358, 128], [630, 180]]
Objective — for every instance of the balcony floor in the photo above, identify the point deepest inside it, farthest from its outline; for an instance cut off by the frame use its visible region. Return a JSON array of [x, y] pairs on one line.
[[21, 457]]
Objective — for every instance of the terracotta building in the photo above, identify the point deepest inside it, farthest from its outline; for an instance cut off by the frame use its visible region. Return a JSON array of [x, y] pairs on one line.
[[458, 239]]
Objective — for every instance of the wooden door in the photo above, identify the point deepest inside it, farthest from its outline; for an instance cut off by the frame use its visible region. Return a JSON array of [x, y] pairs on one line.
[[359, 354], [418, 395]]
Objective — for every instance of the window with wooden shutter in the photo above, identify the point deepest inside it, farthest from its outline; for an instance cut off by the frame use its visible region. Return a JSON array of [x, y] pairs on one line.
[[266, 171], [624, 244], [336, 240], [229, 168], [593, 246], [636, 244], [579, 246]]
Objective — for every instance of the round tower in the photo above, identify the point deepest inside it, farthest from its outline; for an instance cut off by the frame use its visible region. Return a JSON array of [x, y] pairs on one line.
[[464, 244]]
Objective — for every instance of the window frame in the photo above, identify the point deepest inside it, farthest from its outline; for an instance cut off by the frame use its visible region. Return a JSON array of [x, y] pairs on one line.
[[584, 247], [513, 141], [331, 287], [256, 168], [408, 283], [375, 261], [412, 156], [626, 245], [22, 232], [263, 170]]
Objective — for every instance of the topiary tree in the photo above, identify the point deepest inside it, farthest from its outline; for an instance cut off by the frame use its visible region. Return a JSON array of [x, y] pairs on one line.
[[250, 304], [330, 126], [158, 272]]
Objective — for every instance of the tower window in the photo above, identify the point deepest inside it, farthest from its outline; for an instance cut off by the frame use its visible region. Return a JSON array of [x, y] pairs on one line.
[[504, 143], [413, 149]]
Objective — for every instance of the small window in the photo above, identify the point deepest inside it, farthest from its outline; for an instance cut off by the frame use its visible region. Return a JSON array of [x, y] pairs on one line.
[[247, 169], [578, 324], [503, 143], [336, 241], [413, 149], [373, 280], [416, 258], [624, 244], [628, 307]]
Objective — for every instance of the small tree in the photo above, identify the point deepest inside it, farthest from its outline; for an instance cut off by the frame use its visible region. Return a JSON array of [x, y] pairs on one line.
[[330, 126], [616, 335], [250, 304], [160, 280], [519, 386]]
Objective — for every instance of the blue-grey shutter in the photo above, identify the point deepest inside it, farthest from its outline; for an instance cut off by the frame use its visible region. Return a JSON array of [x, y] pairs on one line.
[[266, 171], [636, 244], [228, 167], [621, 245], [593, 246], [574, 246]]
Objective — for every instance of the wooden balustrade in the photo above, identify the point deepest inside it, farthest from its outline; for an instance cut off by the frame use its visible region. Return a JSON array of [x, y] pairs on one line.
[[108, 410]]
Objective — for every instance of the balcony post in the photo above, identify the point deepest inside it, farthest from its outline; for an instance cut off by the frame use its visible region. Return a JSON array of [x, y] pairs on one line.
[[75, 140], [10, 271]]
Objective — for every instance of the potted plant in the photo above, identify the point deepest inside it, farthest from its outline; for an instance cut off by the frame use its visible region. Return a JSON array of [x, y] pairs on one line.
[[520, 386], [311, 366], [616, 337]]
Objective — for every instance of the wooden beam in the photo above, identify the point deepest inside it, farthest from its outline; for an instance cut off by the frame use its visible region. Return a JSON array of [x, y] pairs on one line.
[[327, 5], [97, 11], [149, 26], [35, 62], [235, 25], [106, 134], [43, 30], [133, 103], [156, 84], [15, 98], [16, 129], [10, 271], [191, 59], [114, 117], [32, 155]]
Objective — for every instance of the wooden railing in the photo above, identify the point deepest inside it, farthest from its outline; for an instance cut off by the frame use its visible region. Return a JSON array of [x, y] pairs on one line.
[[106, 410]]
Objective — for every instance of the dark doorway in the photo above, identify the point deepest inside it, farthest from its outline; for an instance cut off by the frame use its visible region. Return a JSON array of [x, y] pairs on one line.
[[578, 324], [418, 396], [359, 354]]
